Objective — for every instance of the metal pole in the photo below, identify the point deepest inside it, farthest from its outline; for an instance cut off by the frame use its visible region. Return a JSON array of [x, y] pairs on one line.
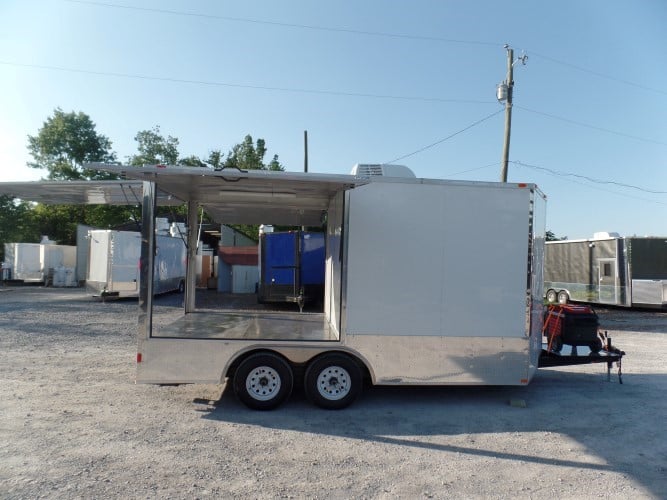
[[147, 259], [508, 114], [305, 159], [191, 273], [305, 151]]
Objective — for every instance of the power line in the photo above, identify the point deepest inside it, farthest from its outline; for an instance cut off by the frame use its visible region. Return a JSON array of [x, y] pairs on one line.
[[447, 138], [598, 74], [602, 129], [494, 164], [598, 188], [244, 86], [586, 178], [316, 92], [290, 25], [366, 33]]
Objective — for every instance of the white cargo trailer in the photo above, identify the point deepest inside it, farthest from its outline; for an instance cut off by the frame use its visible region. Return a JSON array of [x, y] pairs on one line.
[[428, 282], [113, 263], [44, 262]]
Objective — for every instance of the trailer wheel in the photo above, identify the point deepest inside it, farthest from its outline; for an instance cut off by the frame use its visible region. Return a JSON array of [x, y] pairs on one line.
[[263, 381], [552, 296], [563, 297], [333, 381]]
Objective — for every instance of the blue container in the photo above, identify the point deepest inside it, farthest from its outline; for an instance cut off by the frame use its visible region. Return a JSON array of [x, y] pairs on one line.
[[292, 267]]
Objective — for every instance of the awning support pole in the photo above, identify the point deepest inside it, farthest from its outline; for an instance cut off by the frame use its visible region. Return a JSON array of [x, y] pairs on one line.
[[147, 259], [191, 274]]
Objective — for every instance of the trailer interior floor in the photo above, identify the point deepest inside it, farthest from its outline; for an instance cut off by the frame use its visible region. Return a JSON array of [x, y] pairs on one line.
[[282, 325]]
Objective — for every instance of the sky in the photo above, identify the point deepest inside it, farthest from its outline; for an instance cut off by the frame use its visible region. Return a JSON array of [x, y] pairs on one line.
[[378, 81]]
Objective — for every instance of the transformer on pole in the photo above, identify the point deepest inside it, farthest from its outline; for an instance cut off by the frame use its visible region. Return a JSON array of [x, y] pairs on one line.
[[504, 94]]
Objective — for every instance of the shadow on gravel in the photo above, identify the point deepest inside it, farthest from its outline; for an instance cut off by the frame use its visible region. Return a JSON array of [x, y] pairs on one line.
[[584, 407]]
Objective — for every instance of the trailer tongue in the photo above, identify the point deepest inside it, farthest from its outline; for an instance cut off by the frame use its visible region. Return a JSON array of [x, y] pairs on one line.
[[573, 338]]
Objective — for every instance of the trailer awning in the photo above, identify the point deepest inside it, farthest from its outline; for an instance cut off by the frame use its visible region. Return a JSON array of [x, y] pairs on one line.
[[230, 196], [83, 192], [233, 196]]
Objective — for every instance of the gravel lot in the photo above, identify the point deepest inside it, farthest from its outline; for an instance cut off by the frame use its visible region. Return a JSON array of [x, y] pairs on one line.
[[74, 425]]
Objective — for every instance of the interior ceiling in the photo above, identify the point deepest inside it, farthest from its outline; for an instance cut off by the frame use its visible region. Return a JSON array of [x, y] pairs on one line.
[[233, 196], [229, 196]]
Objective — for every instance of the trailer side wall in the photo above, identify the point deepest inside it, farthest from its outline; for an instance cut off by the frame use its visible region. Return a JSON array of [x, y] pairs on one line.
[[437, 283]]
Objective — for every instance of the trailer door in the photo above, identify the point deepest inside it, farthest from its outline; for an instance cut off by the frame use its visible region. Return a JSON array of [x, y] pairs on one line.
[[607, 274]]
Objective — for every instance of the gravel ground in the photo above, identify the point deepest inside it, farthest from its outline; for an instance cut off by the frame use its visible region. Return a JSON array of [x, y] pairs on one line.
[[74, 425]]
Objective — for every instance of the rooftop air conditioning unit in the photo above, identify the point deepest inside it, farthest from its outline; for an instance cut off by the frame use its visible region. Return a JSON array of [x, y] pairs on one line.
[[381, 170]]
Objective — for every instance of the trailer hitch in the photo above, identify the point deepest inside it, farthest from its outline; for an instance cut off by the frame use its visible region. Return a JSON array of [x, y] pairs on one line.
[[608, 347]]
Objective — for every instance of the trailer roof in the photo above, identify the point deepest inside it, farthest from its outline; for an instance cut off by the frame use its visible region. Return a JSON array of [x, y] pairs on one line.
[[82, 192], [235, 196]]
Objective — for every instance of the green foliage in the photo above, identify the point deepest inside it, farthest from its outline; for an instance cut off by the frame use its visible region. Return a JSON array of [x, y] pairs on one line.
[[550, 236], [59, 222], [65, 142], [154, 149], [17, 223], [191, 161], [215, 158], [250, 156], [274, 164]]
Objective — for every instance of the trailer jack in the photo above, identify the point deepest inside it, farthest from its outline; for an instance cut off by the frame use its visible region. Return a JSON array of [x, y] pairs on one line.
[[608, 347]]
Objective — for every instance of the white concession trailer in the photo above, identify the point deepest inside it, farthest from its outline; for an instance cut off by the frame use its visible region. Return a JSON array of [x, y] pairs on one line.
[[415, 293]]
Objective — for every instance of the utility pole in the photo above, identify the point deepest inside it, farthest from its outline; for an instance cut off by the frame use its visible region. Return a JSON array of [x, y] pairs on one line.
[[305, 159], [504, 93], [305, 151]]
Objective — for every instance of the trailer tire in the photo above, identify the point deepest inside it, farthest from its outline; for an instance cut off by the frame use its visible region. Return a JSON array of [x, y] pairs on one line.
[[263, 381], [563, 297], [333, 381], [552, 296]]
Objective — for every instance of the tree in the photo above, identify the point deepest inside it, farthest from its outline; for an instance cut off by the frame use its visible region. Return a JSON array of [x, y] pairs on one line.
[[16, 223], [551, 236], [65, 143], [62, 146], [154, 149], [191, 161], [215, 158], [250, 156], [274, 164]]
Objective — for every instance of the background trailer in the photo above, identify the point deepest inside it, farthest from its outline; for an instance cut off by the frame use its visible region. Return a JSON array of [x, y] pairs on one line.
[[43, 262], [113, 263], [623, 271]]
